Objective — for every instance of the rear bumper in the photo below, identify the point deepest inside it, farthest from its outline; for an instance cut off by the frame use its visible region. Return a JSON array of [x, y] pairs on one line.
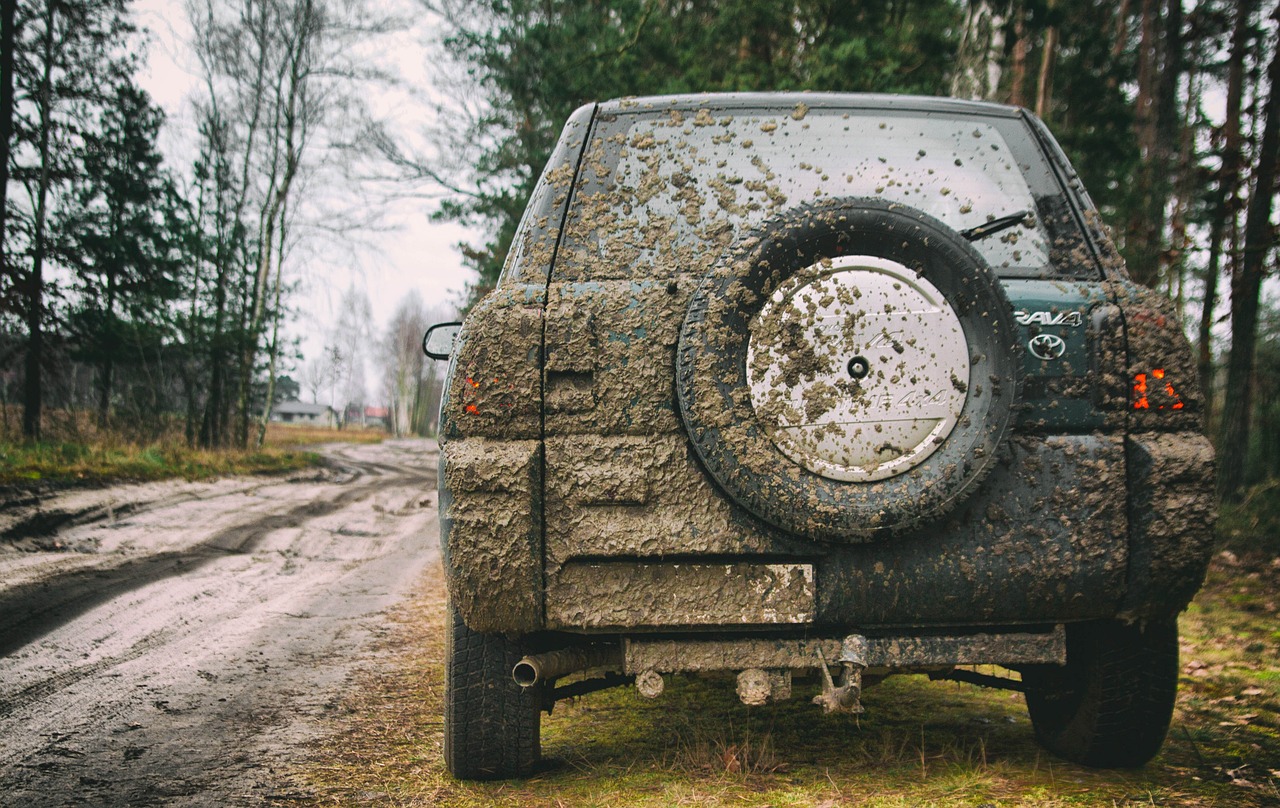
[[1051, 537], [1044, 541], [877, 653]]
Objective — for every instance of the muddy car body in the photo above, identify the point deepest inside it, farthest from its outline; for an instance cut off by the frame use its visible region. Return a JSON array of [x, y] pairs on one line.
[[818, 384]]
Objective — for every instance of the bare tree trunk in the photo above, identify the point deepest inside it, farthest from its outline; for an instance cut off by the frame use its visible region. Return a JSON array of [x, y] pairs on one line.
[[273, 352], [1179, 241], [1225, 200], [212, 426], [1166, 85], [106, 367], [33, 399], [1245, 289], [1021, 47], [977, 72], [1143, 228], [188, 366], [256, 23], [290, 95], [1048, 58]]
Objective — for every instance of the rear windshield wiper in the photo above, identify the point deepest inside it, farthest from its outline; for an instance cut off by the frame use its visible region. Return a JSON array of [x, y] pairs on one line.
[[995, 225]]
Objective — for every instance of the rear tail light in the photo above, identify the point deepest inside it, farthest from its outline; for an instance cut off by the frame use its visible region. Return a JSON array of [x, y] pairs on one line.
[[1154, 391]]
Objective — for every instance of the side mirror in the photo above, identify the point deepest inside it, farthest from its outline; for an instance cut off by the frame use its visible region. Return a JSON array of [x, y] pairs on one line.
[[437, 343]]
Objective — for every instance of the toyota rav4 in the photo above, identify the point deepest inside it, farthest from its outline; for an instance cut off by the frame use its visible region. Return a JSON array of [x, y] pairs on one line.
[[818, 386]]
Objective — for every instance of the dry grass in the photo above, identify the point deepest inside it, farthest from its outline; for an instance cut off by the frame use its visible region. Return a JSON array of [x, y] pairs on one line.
[[105, 463], [920, 743], [81, 426], [303, 435], [703, 751], [75, 450]]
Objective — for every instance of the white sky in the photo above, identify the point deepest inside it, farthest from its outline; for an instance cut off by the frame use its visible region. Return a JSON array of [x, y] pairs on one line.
[[413, 253]]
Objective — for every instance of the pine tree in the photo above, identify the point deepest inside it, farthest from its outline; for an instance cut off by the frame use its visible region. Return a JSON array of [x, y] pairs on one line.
[[65, 53], [117, 239], [1246, 287]]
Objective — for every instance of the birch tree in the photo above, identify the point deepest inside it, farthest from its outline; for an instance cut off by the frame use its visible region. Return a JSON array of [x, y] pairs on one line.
[[979, 57], [281, 100], [403, 362]]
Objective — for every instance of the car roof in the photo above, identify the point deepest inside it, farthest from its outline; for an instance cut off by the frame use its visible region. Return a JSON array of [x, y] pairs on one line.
[[873, 101]]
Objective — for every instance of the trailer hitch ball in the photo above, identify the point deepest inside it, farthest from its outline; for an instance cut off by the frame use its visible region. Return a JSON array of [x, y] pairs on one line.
[[843, 694]]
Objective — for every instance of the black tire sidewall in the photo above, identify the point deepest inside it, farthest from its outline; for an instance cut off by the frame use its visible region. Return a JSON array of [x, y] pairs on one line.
[[1111, 704], [491, 723], [713, 391]]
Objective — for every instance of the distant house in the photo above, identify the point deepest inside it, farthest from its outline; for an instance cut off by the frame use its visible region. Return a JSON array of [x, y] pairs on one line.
[[299, 412], [377, 416]]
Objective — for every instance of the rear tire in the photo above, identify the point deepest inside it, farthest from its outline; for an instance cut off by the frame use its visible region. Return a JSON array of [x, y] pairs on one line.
[[1111, 704], [491, 723]]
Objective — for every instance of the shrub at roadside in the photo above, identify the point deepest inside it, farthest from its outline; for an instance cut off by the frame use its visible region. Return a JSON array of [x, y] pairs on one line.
[[78, 451]]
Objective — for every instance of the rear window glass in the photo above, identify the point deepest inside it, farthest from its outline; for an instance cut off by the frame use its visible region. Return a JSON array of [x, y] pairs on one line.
[[662, 193]]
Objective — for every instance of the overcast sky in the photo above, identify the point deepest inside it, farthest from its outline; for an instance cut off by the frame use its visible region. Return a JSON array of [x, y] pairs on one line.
[[413, 253]]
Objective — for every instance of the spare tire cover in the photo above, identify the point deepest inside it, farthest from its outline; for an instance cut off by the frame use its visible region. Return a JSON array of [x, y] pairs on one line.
[[848, 369]]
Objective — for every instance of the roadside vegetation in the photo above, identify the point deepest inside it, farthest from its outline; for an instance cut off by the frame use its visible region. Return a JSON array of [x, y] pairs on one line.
[[75, 452], [919, 742], [281, 436], [105, 464]]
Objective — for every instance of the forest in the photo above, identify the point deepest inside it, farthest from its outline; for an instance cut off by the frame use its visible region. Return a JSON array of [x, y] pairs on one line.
[[148, 294]]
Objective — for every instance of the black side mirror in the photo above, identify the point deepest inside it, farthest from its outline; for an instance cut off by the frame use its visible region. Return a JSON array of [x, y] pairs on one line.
[[437, 343]]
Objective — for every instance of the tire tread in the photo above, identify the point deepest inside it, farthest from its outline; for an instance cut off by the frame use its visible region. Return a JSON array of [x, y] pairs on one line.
[[491, 724], [1111, 705]]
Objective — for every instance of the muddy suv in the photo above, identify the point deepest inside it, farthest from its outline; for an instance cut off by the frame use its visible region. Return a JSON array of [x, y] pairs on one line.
[[818, 388]]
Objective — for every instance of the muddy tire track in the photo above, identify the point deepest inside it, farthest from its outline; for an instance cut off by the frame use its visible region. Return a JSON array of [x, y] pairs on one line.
[[193, 643], [31, 611]]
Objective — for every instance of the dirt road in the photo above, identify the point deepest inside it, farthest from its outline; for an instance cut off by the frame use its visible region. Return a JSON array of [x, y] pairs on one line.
[[172, 643]]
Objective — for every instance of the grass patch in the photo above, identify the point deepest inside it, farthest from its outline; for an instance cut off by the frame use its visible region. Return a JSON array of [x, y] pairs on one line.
[[78, 463], [919, 743], [78, 452]]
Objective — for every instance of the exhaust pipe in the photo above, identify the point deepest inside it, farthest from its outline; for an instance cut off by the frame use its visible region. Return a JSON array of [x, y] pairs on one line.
[[547, 667]]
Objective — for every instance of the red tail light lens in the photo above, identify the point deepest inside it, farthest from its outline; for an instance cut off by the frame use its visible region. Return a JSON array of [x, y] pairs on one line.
[[1155, 392]]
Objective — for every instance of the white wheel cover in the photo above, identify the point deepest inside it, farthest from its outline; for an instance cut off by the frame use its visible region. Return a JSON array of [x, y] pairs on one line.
[[858, 368]]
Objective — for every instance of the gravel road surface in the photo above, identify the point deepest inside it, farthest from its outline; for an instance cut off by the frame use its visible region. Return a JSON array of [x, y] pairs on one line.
[[174, 643]]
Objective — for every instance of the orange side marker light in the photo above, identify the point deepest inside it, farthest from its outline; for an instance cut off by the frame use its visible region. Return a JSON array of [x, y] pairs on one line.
[[1140, 401]]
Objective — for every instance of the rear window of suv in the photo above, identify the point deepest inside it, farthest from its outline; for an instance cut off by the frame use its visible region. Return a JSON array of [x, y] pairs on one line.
[[662, 192]]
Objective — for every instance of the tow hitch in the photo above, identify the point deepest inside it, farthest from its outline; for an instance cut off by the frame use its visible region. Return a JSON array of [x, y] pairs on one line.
[[844, 697]]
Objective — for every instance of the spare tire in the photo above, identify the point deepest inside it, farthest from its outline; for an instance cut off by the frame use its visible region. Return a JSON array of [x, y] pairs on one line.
[[848, 369]]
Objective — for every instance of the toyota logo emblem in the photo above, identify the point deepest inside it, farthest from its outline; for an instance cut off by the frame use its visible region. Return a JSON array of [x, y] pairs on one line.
[[1047, 347]]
